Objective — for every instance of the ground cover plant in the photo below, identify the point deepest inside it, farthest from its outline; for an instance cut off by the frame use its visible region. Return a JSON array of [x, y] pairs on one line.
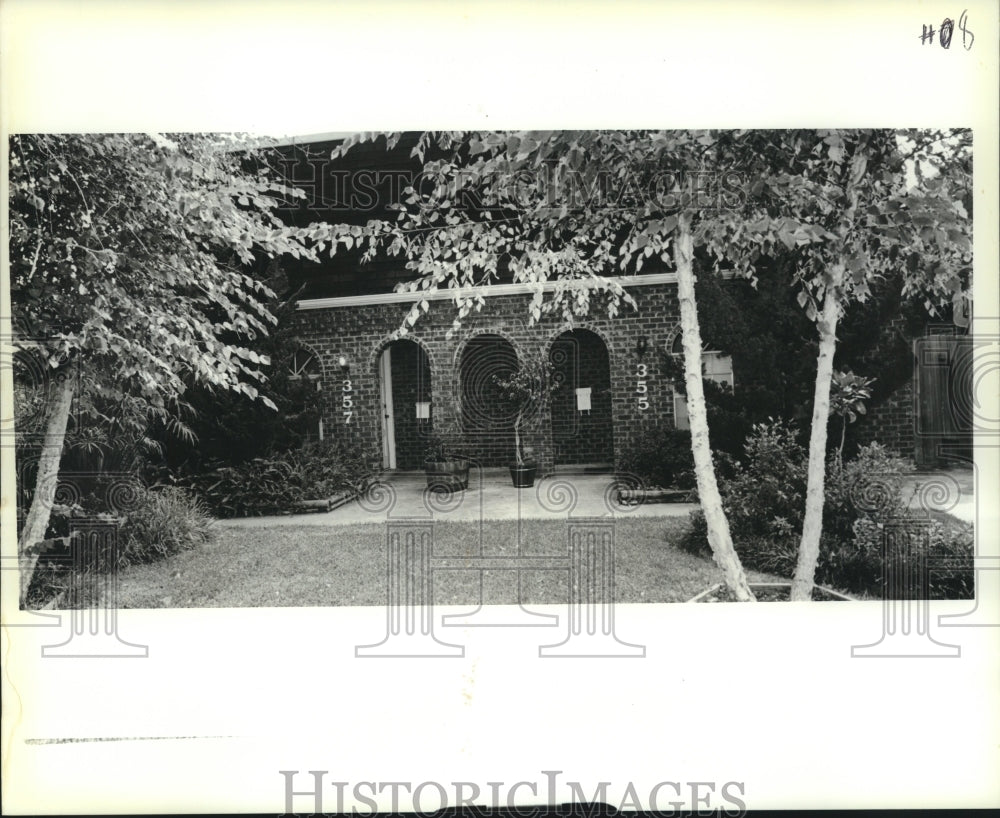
[[276, 482]]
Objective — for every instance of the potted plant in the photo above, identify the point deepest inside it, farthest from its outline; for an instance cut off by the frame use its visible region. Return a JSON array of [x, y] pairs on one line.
[[445, 471], [521, 391]]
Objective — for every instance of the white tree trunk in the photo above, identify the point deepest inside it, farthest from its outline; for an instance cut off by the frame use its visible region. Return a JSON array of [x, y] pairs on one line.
[[812, 526], [518, 459], [37, 520], [719, 538]]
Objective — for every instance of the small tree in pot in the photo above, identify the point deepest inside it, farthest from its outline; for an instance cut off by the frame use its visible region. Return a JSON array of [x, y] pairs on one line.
[[522, 392]]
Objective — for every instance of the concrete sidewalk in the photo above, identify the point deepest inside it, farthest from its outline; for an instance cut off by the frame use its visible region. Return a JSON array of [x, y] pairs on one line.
[[951, 490], [490, 496]]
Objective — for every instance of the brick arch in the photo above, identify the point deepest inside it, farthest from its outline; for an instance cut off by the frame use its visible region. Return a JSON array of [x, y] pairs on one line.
[[590, 326], [672, 337], [498, 331], [298, 343], [456, 361], [391, 337]]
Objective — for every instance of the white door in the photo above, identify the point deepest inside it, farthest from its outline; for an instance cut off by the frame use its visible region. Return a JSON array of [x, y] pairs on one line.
[[388, 424]]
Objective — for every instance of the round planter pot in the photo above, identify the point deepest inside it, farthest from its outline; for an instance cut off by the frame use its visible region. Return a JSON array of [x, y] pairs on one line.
[[523, 477], [447, 475]]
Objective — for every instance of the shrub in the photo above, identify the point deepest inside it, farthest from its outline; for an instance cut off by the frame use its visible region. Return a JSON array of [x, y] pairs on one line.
[[764, 497], [764, 501], [766, 494], [167, 520], [869, 486], [281, 480], [948, 571], [662, 458], [163, 522]]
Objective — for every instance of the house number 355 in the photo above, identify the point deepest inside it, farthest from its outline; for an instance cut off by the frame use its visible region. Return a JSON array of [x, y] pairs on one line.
[[640, 386]]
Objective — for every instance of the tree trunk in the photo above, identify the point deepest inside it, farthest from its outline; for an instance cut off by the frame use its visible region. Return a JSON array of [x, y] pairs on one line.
[[518, 459], [812, 526], [719, 537], [37, 521]]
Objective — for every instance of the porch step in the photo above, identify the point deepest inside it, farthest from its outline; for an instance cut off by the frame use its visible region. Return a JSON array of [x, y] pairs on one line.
[[584, 468]]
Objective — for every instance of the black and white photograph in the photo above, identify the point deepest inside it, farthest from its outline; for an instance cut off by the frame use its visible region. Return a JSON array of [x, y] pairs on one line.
[[335, 446]]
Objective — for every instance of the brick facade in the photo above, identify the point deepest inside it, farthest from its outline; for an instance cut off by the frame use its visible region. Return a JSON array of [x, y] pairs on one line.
[[605, 358], [889, 422]]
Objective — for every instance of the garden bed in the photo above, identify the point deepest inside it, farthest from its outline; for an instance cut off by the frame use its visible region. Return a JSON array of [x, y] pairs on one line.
[[329, 504], [769, 592], [631, 497]]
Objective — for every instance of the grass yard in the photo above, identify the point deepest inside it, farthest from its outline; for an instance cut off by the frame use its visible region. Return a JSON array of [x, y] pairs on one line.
[[346, 565]]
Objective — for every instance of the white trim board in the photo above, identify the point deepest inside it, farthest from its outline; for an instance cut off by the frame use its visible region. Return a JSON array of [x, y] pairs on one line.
[[487, 291]]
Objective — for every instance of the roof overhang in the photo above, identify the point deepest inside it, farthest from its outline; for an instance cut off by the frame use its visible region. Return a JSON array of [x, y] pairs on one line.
[[492, 290]]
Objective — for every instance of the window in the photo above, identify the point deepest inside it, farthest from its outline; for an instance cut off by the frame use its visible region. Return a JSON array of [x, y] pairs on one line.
[[715, 366], [304, 364]]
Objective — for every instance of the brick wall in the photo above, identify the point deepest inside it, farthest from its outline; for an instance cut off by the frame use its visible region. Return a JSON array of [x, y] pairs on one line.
[[359, 333], [889, 423]]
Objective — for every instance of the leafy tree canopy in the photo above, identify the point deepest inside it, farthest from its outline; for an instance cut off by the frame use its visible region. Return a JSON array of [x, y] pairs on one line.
[[131, 254], [572, 208]]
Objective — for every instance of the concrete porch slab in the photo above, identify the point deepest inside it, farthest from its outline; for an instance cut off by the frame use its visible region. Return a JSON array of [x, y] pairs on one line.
[[490, 496]]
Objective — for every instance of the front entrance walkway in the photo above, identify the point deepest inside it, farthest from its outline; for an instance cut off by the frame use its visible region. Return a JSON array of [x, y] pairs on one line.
[[490, 496], [951, 490]]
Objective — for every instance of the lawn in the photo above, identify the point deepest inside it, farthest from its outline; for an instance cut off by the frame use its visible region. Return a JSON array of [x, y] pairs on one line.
[[346, 565]]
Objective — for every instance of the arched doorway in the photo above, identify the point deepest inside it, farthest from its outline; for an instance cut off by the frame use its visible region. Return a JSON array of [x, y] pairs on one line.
[[404, 375], [582, 432], [487, 424]]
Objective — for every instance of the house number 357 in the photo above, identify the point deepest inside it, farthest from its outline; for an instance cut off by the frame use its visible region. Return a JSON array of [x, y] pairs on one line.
[[348, 400], [640, 386]]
